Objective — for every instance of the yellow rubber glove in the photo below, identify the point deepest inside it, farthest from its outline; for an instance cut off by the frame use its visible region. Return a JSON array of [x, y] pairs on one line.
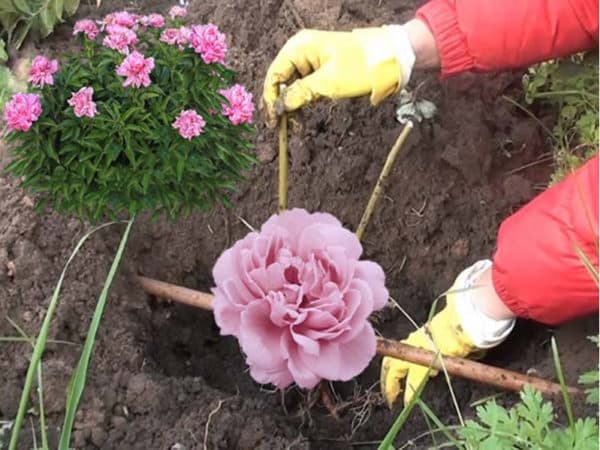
[[450, 340], [460, 329], [337, 65]]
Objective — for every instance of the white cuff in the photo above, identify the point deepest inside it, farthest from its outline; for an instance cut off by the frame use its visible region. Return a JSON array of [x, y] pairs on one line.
[[483, 331], [404, 51]]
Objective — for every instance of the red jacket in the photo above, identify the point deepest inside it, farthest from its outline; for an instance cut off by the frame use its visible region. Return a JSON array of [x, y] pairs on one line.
[[537, 270]]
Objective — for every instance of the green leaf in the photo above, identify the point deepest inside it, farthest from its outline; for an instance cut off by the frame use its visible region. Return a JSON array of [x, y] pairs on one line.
[[71, 6], [47, 20]]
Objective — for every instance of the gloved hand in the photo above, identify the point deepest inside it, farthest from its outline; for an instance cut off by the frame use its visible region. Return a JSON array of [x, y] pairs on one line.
[[460, 329], [375, 61]]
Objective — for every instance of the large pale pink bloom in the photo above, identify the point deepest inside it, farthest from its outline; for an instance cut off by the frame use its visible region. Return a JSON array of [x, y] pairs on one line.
[[120, 38], [240, 107], [137, 70], [82, 102], [190, 124], [21, 111], [177, 11], [153, 21], [122, 18], [86, 26], [297, 298], [209, 42], [42, 71]]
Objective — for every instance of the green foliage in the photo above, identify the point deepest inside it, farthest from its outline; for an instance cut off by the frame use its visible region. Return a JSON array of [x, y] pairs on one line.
[[527, 425], [572, 85], [19, 17], [129, 158], [592, 379]]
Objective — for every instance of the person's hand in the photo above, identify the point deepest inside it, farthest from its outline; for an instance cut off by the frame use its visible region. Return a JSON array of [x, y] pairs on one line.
[[460, 329], [375, 61]]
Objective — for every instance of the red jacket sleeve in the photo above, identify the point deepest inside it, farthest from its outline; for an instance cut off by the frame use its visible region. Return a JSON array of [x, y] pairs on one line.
[[536, 269], [486, 35]]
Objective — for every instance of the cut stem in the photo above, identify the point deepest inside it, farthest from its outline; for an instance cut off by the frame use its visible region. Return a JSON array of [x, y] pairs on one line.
[[460, 367], [387, 167], [283, 162]]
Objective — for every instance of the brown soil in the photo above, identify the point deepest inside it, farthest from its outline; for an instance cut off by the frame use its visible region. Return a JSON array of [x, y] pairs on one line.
[[161, 376]]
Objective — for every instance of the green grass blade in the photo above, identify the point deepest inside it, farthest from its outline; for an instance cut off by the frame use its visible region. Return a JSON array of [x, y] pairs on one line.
[[40, 344], [40, 389], [438, 423], [563, 386], [79, 376], [388, 440]]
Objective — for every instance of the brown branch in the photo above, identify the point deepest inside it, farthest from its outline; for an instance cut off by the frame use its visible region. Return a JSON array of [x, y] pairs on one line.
[[459, 367]]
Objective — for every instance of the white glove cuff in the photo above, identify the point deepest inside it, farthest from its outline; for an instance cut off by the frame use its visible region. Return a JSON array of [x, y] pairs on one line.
[[404, 51], [483, 331]]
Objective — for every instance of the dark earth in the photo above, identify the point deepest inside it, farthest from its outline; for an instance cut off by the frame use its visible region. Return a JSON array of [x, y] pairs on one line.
[[161, 377]]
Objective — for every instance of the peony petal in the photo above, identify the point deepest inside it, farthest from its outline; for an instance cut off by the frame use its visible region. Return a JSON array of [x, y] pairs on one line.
[[357, 353], [258, 336], [373, 275], [329, 364], [324, 236], [306, 344]]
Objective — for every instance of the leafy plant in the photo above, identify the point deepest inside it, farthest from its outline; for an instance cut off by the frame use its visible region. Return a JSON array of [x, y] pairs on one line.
[[591, 379], [124, 154], [572, 85], [19, 17], [527, 425]]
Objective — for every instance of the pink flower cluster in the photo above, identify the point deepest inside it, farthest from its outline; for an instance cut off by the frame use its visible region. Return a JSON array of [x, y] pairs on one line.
[[177, 11], [176, 36], [137, 70], [120, 38], [190, 124], [82, 102], [88, 27], [240, 107], [209, 42], [153, 21], [42, 71], [21, 111], [297, 298], [122, 18]]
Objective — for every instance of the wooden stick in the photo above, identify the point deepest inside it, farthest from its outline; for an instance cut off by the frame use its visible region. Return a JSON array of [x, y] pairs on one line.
[[283, 160], [471, 370], [387, 167], [460, 367]]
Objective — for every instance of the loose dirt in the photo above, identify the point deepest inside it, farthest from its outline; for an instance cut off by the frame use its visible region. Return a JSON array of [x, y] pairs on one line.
[[161, 376]]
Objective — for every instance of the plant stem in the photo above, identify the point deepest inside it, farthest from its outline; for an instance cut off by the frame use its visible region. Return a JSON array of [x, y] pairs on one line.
[[563, 386], [78, 379], [283, 162], [387, 167], [40, 344]]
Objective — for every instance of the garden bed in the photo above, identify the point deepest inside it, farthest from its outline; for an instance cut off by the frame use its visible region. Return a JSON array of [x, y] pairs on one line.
[[161, 375]]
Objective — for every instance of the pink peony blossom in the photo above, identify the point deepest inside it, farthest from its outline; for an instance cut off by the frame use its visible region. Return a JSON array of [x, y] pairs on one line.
[[21, 111], [170, 36], [82, 102], [120, 38], [153, 21], [190, 124], [209, 42], [240, 107], [297, 298], [42, 70], [137, 70], [185, 34], [122, 18], [177, 11], [86, 26]]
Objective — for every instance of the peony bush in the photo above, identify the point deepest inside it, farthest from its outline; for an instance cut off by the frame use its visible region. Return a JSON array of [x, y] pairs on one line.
[[146, 117], [297, 298]]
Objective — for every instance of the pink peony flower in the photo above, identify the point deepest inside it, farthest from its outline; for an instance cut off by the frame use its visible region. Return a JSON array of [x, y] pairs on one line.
[[297, 298], [190, 124], [153, 21], [209, 42], [122, 18], [170, 36], [86, 26], [42, 70], [82, 102], [184, 37], [137, 70], [177, 11], [21, 111], [240, 107], [120, 38]]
